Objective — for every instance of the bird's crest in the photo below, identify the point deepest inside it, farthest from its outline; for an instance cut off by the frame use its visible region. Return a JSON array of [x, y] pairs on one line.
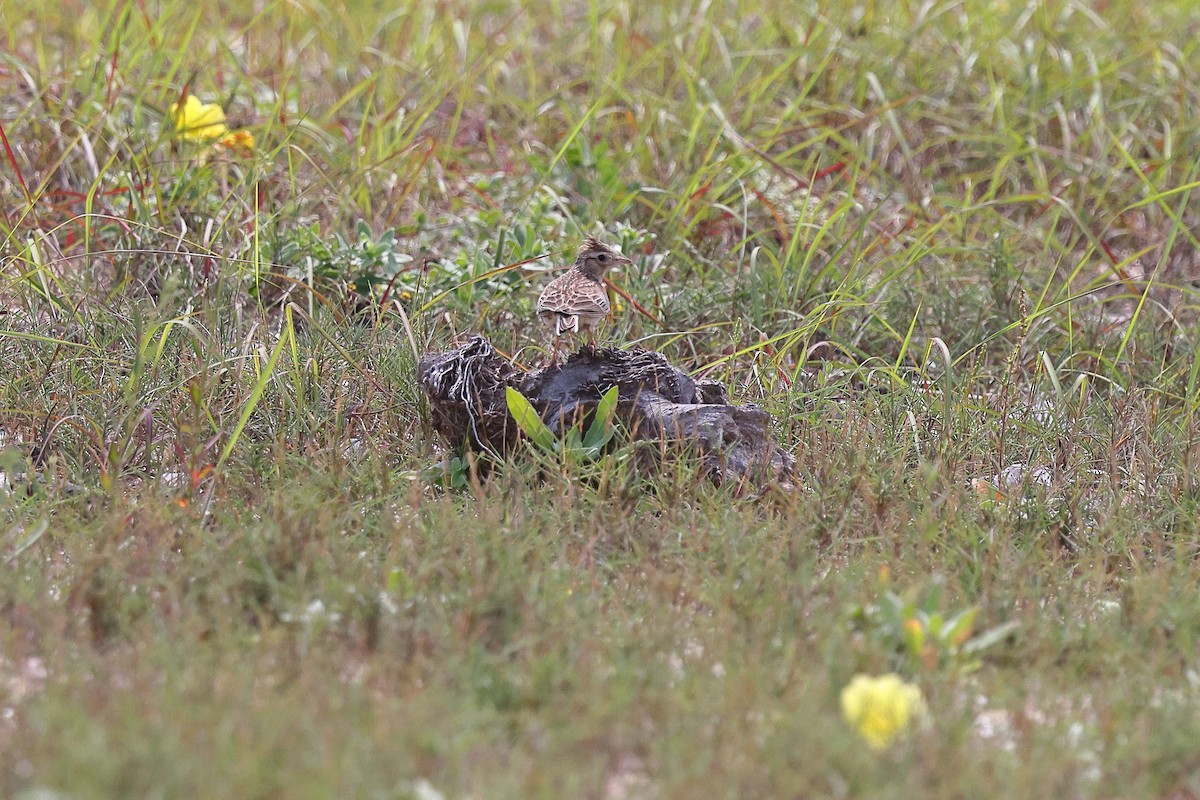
[[591, 244]]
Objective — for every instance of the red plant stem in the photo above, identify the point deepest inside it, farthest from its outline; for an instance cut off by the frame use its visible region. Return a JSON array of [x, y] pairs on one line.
[[12, 159]]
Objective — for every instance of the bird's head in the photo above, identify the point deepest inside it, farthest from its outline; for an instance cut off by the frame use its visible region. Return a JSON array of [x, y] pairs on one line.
[[596, 258]]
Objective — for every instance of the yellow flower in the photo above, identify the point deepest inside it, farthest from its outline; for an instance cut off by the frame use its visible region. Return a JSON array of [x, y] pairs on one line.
[[241, 140], [198, 122], [881, 708]]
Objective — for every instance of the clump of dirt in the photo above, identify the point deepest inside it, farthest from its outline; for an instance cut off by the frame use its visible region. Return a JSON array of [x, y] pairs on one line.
[[657, 402]]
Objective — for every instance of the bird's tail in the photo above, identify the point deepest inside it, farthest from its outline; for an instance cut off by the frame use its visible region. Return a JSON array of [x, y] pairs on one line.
[[566, 323]]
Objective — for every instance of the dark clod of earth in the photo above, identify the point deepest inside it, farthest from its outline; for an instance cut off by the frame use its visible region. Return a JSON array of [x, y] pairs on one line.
[[657, 402]]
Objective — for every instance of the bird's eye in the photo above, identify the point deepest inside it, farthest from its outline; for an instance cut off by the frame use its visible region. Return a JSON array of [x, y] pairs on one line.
[[602, 257]]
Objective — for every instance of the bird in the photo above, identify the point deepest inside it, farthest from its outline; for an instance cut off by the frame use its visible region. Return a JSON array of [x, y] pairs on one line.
[[577, 301]]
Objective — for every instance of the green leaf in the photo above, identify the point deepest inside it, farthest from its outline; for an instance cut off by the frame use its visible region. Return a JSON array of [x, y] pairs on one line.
[[602, 429], [914, 638], [528, 419], [958, 627], [28, 538], [287, 332], [933, 600], [458, 473], [992, 636]]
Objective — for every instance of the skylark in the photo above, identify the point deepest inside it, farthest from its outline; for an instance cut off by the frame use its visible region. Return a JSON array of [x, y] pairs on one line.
[[577, 301]]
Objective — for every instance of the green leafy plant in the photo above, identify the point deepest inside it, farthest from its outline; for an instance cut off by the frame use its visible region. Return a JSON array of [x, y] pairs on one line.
[[453, 473], [573, 445], [922, 634], [359, 264]]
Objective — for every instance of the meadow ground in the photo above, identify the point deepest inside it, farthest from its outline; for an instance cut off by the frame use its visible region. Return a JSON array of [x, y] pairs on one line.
[[938, 241]]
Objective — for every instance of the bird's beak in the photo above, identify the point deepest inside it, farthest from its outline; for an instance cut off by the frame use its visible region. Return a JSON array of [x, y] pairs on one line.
[[623, 260]]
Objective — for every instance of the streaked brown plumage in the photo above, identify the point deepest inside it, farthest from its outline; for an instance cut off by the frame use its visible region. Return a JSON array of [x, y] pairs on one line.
[[577, 301]]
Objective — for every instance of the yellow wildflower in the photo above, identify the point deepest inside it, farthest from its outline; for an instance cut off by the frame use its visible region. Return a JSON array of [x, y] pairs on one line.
[[241, 140], [198, 122], [881, 708]]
